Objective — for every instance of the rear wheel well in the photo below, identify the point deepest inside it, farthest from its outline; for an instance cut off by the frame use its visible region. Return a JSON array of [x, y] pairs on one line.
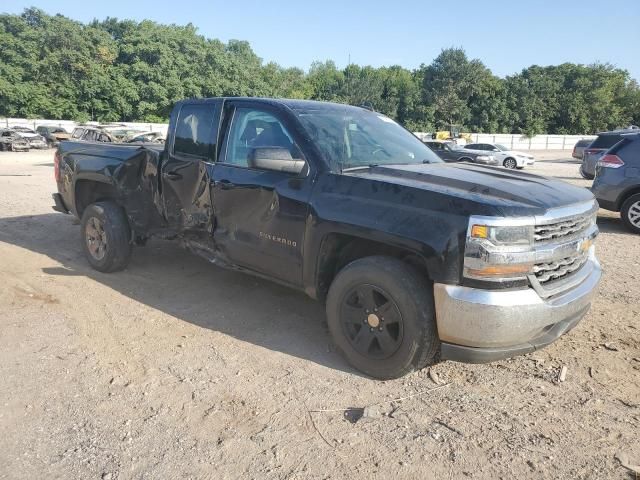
[[338, 250], [89, 191], [627, 194]]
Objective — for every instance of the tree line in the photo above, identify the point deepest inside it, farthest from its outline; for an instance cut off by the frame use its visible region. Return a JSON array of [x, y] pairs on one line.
[[123, 70]]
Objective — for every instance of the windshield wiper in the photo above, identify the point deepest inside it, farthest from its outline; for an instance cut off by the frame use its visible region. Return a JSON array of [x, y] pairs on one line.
[[360, 167], [372, 165]]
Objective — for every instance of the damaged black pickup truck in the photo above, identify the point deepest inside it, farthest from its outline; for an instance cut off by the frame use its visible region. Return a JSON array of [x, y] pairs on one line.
[[416, 259]]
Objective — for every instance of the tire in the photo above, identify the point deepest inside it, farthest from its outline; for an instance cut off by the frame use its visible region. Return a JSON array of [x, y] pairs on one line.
[[510, 163], [106, 236], [465, 159], [586, 175], [387, 348], [630, 213]]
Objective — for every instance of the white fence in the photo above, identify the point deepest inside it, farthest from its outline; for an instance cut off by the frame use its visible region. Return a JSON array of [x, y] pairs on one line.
[[515, 142], [70, 125], [520, 142]]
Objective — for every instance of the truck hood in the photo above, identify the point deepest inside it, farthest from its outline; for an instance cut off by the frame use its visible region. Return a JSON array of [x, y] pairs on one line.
[[512, 192]]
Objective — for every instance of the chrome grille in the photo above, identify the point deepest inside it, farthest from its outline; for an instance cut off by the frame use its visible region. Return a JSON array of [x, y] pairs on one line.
[[547, 272], [563, 229]]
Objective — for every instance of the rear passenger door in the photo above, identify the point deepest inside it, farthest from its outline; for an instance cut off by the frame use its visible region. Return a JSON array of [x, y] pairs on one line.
[[185, 168]]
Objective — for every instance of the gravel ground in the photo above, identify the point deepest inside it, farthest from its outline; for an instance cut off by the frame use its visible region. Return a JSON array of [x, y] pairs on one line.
[[177, 369]]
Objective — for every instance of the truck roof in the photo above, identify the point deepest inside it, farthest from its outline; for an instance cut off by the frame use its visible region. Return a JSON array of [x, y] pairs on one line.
[[293, 104]]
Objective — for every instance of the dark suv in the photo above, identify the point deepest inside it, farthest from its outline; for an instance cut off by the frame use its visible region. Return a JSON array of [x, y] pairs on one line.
[[600, 145], [617, 183]]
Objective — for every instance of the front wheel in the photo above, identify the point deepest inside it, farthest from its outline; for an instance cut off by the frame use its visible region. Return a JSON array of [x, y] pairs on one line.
[[630, 213], [106, 236], [510, 163], [381, 315]]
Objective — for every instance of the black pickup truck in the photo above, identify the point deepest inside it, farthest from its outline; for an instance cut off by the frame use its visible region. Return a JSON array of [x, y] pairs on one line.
[[417, 260]]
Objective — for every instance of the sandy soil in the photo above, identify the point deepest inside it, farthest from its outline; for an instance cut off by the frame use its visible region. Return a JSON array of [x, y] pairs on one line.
[[177, 369]]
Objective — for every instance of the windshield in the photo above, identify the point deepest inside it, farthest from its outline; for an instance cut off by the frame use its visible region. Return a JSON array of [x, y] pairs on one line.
[[501, 147], [358, 138]]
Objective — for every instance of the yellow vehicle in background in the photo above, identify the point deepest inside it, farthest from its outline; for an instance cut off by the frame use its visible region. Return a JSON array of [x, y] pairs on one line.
[[453, 134]]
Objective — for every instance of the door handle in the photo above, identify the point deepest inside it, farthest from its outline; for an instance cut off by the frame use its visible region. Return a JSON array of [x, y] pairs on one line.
[[172, 175]]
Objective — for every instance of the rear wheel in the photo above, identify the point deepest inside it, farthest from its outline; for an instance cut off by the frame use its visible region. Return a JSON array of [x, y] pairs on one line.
[[630, 213], [106, 236], [510, 163], [381, 316]]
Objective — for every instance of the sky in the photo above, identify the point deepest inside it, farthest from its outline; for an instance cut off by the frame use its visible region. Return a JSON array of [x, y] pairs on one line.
[[506, 36]]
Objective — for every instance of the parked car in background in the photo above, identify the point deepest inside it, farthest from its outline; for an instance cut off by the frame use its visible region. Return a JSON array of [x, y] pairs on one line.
[[34, 139], [91, 134], [617, 183], [151, 137], [598, 147], [506, 157], [11, 141], [451, 152], [579, 148], [53, 134], [120, 134]]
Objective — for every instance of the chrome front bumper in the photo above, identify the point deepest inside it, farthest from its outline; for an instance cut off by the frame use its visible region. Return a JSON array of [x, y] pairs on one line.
[[478, 326]]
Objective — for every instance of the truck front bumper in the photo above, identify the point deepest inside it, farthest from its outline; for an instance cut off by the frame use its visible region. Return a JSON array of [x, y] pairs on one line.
[[479, 326]]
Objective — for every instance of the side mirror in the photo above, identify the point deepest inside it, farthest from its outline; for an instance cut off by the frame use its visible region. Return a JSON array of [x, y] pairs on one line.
[[275, 158]]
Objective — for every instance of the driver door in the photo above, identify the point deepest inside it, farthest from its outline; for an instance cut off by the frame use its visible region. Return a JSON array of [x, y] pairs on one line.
[[260, 213]]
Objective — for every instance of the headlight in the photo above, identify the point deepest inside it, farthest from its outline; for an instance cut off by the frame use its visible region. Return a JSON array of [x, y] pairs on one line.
[[503, 234], [494, 249]]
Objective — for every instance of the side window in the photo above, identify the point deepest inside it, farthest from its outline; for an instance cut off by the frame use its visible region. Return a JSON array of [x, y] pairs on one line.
[[472, 146], [77, 133], [195, 133], [251, 129]]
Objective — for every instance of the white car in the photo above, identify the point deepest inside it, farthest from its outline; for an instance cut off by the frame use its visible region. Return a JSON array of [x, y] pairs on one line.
[[35, 139], [506, 157]]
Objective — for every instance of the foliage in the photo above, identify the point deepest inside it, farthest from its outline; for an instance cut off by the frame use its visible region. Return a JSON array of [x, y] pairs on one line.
[[122, 70]]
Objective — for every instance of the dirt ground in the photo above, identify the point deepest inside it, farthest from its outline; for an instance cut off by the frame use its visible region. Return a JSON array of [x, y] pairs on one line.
[[177, 369]]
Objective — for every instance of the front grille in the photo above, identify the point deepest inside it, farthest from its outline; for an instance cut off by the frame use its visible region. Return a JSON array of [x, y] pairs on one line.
[[563, 229], [550, 271]]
